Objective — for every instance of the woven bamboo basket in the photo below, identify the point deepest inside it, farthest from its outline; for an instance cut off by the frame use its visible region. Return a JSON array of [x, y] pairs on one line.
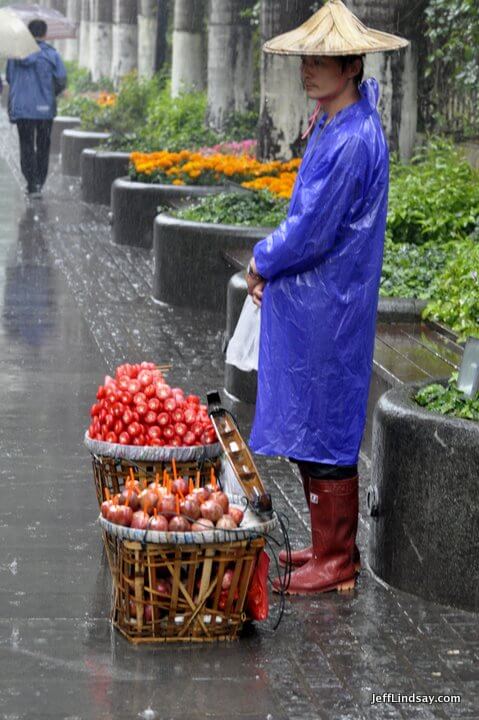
[[193, 607], [112, 464]]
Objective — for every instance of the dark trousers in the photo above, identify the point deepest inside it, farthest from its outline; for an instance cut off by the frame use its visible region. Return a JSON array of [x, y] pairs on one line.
[[34, 138], [323, 471]]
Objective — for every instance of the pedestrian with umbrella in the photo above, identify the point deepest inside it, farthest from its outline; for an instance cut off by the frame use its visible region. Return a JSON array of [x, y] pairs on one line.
[[35, 82], [317, 279]]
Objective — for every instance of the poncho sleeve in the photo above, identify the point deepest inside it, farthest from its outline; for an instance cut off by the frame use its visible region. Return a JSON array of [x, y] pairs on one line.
[[306, 236]]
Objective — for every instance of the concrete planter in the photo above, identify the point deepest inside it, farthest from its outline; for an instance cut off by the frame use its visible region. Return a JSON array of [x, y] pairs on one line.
[[190, 269], [424, 501], [61, 123], [134, 207], [99, 170], [72, 145]]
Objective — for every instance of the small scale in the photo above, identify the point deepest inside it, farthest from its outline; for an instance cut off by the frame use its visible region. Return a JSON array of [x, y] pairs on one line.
[[238, 453]]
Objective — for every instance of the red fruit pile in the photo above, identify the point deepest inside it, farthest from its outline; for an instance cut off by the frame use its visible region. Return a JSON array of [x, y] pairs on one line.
[[138, 407], [172, 506]]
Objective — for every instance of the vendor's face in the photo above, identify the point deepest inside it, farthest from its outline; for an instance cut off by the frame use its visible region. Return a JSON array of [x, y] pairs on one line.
[[322, 75]]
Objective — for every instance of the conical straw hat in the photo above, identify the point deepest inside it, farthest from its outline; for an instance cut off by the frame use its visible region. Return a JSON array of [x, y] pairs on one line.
[[333, 30]]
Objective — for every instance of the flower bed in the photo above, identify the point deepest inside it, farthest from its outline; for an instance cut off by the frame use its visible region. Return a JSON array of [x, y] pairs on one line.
[[194, 168]]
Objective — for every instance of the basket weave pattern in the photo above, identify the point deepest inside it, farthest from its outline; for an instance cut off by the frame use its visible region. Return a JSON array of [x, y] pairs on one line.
[[196, 609]]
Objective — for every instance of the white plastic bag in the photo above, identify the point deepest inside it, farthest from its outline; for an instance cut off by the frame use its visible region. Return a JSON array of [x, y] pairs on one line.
[[243, 348], [229, 482]]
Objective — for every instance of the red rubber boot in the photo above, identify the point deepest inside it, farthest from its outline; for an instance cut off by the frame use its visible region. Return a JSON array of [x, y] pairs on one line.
[[334, 524], [299, 557]]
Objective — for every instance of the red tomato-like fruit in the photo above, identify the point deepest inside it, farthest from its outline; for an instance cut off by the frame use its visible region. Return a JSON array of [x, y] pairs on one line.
[[139, 398], [126, 397], [142, 409], [149, 391], [145, 378], [100, 392], [163, 419], [95, 409], [193, 399], [157, 442], [163, 392], [154, 404], [168, 433], [176, 442], [190, 416], [154, 432], [178, 415], [134, 429], [180, 429], [118, 427], [170, 404], [140, 440], [150, 417], [109, 421], [123, 383], [124, 439], [134, 387], [127, 416], [111, 437], [189, 438], [118, 409]]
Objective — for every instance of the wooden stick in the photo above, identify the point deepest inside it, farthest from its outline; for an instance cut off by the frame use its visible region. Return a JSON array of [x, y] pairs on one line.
[[174, 469], [198, 476]]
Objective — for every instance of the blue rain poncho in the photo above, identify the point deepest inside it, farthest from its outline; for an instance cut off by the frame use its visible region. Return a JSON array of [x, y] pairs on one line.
[[318, 315]]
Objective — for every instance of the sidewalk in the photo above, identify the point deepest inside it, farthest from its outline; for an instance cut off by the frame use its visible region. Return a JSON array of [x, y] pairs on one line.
[[73, 307]]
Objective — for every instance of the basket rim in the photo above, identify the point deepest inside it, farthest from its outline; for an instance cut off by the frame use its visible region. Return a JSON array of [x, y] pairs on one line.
[[148, 453], [255, 528]]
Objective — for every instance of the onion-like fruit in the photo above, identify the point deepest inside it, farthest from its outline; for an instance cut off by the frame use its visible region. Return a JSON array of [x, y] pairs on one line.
[[179, 524], [180, 486], [131, 496], [148, 613], [201, 494], [226, 523], [148, 500], [222, 499], [211, 510], [191, 509], [227, 579], [202, 525], [140, 520], [114, 513], [124, 515], [105, 507], [159, 523], [163, 587], [237, 514], [167, 505]]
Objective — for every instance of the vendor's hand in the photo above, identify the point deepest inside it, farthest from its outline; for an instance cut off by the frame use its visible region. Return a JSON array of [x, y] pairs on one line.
[[253, 279], [258, 293]]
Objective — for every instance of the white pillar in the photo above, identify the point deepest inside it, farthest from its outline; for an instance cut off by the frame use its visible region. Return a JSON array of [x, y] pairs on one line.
[[188, 68], [147, 29], [72, 45], [101, 32], [84, 35], [125, 38]]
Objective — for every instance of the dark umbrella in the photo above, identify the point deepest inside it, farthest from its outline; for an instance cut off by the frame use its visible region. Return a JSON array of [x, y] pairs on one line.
[[59, 27]]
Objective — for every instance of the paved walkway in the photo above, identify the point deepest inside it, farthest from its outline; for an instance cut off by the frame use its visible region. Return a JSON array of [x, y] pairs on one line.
[[73, 306]]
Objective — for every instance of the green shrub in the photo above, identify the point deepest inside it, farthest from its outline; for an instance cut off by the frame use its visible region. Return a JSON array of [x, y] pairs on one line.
[[79, 80], [448, 400], [252, 209], [434, 198], [454, 292], [79, 106], [409, 270]]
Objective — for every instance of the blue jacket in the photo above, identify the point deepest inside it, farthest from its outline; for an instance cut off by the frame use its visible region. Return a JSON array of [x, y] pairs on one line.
[[34, 84], [323, 265]]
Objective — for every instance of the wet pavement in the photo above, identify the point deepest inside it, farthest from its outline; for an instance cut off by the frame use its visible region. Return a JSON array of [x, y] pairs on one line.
[[73, 306]]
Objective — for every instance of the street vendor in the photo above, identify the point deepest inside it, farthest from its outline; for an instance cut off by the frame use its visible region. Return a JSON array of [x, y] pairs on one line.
[[317, 280]]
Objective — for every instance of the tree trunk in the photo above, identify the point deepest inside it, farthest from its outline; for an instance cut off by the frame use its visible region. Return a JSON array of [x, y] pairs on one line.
[[72, 45], [188, 61], [396, 72], [101, 31], [61, 6], [147, 30], [161, 52], [125, 38], [284, 106], [84, 35], [229, 61]]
